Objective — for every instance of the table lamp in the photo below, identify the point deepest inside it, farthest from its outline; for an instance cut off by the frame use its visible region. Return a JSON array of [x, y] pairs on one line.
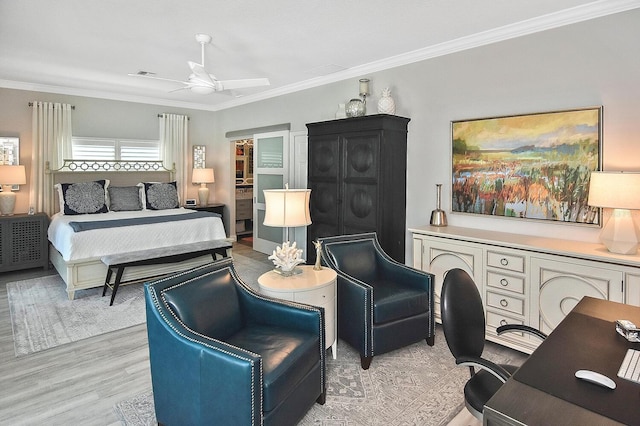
[[619, 191], [287, 208], [203, 177], [10, 175]]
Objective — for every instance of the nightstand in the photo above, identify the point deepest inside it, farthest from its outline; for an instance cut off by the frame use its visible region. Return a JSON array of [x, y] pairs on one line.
[[213, 208], [23, 239], [317, 288]]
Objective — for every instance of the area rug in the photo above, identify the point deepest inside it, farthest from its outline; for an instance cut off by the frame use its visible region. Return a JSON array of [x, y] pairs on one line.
[[416, 385], [43, 317]]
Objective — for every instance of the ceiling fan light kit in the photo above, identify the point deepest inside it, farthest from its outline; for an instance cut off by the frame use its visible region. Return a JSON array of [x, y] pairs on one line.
[[200, 81]]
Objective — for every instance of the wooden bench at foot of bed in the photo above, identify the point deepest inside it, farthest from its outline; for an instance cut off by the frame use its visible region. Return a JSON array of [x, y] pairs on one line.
[[90, 273], [157, 256]]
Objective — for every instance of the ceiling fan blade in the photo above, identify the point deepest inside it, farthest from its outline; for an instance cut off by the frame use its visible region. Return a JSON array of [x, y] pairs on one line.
[[200, 74], [242, 84], [157, 78], [179, 89]]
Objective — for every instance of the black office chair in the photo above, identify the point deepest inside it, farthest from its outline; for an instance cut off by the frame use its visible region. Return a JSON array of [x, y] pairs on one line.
[[463, 322]]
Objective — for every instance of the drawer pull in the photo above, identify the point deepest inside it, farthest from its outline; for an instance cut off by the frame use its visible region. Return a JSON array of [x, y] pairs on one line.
[[503, 322], [504, 282], [504, 261], [504, 303]]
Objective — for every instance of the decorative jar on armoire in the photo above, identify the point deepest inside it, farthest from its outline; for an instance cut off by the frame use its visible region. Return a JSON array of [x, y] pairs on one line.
[[357, 176]]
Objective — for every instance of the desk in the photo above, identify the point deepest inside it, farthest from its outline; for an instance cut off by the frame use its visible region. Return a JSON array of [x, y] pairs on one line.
[[517, 403], [317, 288]]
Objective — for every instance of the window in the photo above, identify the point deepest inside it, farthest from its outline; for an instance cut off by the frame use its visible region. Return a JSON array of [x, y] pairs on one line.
[[115, 149]]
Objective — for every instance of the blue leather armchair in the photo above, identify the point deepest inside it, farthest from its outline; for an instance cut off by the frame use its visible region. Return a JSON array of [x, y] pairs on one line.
[[222, 354], [382, 304]]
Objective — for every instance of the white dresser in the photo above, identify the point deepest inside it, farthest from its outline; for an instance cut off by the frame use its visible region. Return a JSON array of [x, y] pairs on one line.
[[317, 288], [524, 279]]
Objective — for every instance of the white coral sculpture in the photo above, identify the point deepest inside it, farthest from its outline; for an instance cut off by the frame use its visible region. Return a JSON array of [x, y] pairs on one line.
[[287, 257]]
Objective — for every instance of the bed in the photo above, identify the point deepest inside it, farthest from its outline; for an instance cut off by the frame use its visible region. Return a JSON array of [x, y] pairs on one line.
[[79, 239]]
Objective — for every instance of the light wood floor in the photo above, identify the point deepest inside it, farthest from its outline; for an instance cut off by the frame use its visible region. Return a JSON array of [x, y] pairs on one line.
[[77, 383]]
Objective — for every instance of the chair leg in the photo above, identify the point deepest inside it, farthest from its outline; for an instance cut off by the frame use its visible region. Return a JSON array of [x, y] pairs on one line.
[[431, 340], [365, 361], [322, 398]]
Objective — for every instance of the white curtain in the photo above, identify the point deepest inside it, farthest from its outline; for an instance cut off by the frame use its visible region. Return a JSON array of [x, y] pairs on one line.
[[174, 139], [51, 141]]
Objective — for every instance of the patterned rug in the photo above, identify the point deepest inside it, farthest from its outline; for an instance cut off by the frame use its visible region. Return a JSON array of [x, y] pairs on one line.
[[416, 385], [43, 317]]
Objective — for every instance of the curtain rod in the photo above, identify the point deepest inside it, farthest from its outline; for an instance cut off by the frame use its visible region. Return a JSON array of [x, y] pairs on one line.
[[72, 106], [160, 115]]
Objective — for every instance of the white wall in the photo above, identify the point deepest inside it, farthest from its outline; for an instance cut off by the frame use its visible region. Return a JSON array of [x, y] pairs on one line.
[[582, 65]]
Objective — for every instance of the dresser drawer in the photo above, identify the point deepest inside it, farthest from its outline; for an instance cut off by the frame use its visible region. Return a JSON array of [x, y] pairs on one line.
[[505, 261], [495, 320], [244, 209], [505, 282], [316, 297], [505, 303]]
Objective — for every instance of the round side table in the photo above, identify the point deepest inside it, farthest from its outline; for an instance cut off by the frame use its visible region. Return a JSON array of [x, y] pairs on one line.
[[317, 288]]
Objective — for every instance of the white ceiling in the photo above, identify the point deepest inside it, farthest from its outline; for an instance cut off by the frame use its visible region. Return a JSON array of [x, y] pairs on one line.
[[86, 48]]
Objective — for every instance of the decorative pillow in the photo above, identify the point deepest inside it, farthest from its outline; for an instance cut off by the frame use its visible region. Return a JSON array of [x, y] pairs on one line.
[[83, 197], [161, 196], [124, 198]]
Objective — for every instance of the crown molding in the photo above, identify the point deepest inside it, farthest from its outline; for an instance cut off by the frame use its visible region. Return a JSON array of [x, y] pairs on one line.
[[596, 9]]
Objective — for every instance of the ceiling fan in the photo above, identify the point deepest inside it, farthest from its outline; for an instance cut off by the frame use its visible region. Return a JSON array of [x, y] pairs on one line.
[[203, 83]]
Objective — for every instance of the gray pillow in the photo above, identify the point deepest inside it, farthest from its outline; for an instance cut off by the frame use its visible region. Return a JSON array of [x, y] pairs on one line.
[[124, 198]]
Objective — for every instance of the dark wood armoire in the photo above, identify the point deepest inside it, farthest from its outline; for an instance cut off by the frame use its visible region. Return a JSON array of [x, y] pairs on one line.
[[357, 176]]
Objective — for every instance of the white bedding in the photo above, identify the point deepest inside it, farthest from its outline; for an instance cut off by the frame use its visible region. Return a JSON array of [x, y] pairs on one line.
[[100, 242]]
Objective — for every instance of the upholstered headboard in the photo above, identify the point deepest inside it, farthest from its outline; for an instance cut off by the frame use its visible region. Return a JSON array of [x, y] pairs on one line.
[[119, 173]]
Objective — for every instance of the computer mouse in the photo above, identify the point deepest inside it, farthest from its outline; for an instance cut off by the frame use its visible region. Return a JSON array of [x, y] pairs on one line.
[[597, 378]]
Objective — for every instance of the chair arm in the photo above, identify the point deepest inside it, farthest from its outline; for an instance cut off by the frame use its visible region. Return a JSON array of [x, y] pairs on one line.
[[355, 312], [521, 328], [400, 272], [188, 369], [484, 364]]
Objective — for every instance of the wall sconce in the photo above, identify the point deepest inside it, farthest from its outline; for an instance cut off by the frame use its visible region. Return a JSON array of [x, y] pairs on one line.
[[10, 175], [203, 177], [618, 191], [287, 208]]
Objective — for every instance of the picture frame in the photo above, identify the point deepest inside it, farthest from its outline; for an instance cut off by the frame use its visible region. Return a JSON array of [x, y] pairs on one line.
[[199, 156], [10, 154], [531, 166]]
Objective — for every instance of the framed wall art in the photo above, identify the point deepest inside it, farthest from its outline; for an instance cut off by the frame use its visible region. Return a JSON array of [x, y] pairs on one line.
[[534, 166]]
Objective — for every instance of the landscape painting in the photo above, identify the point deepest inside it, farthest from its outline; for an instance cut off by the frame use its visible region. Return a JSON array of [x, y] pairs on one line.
[[534, 166]]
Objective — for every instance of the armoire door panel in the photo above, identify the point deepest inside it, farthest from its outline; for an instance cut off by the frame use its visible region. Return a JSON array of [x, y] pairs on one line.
[[325, 202], [361, 156], [360, 205], [325, 157]]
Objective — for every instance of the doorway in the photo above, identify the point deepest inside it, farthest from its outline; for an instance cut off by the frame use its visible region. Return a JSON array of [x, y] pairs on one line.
[[244, 190]]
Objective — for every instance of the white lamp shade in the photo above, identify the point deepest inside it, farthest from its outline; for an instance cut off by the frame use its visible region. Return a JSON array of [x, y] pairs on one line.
[[616, 190], [287, 207], [12, 175], [203, 176]]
